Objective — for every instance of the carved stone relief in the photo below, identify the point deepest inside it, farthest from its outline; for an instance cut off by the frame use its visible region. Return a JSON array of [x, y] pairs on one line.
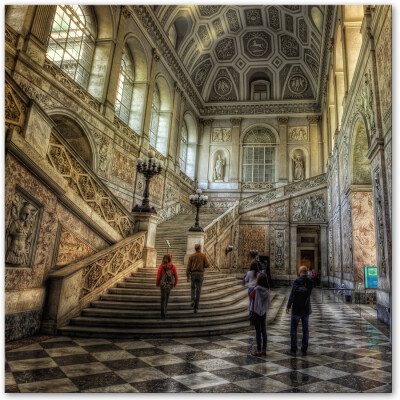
[[200, 74], [223, 88], [257, 186], [330, 249], [123, 167], [222, 134], [289, 46], [280, 211], [233, 20], [208, 11], [289, 23], [22, 230], [380, 236], [204, 35], [365, 102], [298, 133], [347, 241], [279, 249], [273, 17], [361, 164], [310, 208], [102, 144], [15, 109], [219, 30], [225, 49], [303, 30], [257, 44], [253, 17]]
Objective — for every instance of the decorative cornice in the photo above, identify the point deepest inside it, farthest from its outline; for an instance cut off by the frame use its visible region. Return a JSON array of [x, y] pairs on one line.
[[156, 56], [260, 109], [283, 120], [313, 119], [206, 122], [126, 12]]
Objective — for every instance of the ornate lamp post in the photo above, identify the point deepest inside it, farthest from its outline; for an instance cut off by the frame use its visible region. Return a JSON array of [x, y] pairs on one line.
[[198, 200], [148, 166]]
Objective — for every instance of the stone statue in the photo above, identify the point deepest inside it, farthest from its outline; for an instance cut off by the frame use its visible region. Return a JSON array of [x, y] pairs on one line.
[[219, 169], [19, 234], [298, 164]]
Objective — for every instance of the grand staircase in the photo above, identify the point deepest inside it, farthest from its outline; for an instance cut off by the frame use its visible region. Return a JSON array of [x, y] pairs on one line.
[[132, 308]]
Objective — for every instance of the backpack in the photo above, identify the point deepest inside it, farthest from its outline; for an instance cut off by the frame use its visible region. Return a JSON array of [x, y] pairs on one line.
[[301, 295], [168, 280]]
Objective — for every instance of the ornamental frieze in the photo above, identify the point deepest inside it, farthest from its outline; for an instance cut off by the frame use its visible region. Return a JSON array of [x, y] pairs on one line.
[[309, 208]]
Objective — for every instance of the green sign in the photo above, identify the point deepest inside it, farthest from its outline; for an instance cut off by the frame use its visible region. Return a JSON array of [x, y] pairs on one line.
[[371, 277]]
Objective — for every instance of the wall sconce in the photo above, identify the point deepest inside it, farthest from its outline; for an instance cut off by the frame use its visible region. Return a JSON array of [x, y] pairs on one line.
[[228, 249]]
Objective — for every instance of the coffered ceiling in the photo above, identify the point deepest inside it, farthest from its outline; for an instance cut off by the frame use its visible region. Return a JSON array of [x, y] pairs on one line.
[[226, 48]]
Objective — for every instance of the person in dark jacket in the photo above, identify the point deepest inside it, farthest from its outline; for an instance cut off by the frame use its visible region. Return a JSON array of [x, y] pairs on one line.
[[167, 278], [299, 301], [195, 272]]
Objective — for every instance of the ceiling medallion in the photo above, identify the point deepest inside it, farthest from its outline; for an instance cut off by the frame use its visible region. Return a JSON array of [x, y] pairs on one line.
[[222, 86], [298, 84], [257, 46]]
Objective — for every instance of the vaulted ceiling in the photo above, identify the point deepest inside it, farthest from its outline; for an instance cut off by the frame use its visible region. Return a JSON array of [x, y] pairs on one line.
[[226, 48]]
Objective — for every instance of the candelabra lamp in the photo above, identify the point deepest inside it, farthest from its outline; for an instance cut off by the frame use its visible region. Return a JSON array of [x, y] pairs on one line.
[[253, 253], [148, 166], [197, 200]]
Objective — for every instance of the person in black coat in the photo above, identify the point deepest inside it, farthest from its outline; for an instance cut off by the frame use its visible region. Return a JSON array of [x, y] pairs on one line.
[[299, 301]]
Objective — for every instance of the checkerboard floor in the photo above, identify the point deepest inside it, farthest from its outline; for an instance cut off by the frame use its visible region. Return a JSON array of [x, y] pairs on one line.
[[347, 353]]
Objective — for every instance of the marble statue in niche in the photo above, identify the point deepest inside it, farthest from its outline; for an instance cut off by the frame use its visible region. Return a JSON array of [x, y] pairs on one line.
[[298, 167], [219, 170], [20, 231]]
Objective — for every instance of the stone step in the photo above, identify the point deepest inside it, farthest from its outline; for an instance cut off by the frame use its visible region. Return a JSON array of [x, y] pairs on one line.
[[118, 301]]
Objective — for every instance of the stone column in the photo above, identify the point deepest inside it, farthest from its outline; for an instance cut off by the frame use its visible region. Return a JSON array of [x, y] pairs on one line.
[[147, 222], [172, 136], [204, 154], [324, 256], [149, 101], [235, 160], [193, 238], [293, 252], [112, 77], [178, 137], [313, 125], [283, 153], [36, 42]]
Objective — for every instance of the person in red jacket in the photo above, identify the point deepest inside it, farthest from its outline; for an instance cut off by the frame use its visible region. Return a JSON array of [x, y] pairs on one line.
[[167, 278]]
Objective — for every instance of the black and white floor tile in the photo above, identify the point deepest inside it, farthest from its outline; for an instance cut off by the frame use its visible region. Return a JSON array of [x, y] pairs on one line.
[[347, 353]]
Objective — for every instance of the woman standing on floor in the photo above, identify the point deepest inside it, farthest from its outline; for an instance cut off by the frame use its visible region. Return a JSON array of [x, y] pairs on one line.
[[261, 303], [167, 278], [251, 277]]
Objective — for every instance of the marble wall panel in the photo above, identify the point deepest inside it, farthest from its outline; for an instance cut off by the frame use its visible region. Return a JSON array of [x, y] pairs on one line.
[[388, 160], [347, 238], [225, 260], [251, 238], [279, 211], [337, 246], [171, 193], [279, 243], [383, 57], [342, 171], [123, 167], [364, 245], [22, 278]]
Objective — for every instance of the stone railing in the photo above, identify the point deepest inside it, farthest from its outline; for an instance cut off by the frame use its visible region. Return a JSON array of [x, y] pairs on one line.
[[176, 209], [11, 36], [88, 186], [126, 130], [257, 186], [73, 287], [288, 190], [70, 84], [215, 230], [305, 184]]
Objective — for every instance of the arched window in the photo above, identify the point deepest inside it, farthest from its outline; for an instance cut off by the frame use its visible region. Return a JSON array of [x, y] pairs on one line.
[[125, 87], [259, 156], [184, 147], [71, 43], [155, 116]]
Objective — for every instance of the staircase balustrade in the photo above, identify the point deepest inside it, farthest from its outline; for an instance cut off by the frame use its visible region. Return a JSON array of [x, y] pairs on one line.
[[73, 287], [84, 182], [215, 231]]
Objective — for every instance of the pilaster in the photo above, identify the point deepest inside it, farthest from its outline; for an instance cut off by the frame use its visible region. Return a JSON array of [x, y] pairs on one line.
[[283, 152], [235, 163]]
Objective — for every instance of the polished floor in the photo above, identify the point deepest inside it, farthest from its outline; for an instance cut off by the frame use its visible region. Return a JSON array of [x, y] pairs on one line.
[[349, 352]]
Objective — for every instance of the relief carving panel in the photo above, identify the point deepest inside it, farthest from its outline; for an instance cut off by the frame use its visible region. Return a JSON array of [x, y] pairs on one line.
[[123, 167], [310, 208]]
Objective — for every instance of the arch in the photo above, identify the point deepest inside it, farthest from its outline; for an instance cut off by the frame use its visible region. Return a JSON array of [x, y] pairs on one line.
[[72, 41], [192, 131], [160, 115], [259, 154], [75, 131], [306, 160], [105, 22], [360, 166]]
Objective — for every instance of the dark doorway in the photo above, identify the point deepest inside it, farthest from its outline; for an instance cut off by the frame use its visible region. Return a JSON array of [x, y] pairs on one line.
[[307, 259]]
